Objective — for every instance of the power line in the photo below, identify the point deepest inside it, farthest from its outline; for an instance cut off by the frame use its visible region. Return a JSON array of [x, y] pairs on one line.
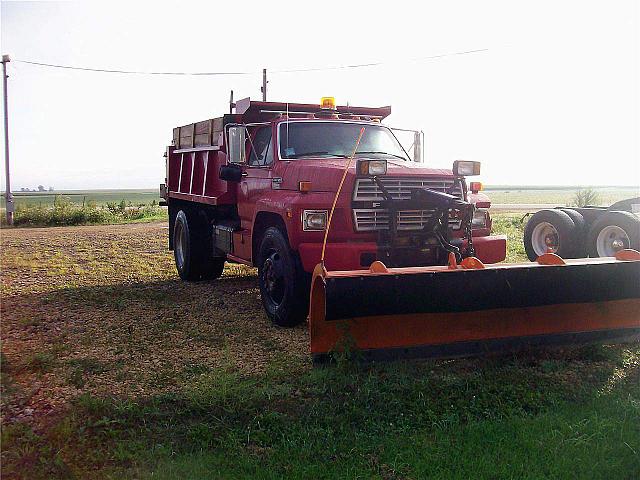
[[130, 72], [294, 70], [377, 64]]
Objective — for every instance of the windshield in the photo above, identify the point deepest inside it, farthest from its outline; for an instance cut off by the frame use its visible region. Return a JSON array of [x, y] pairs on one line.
[[336, 139]]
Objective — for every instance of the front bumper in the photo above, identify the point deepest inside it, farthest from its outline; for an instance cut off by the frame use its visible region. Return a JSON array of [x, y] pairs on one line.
[[491, 249], [359, 255]]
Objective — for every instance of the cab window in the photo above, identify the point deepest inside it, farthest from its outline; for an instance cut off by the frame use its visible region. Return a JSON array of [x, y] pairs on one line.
[[262, 151]]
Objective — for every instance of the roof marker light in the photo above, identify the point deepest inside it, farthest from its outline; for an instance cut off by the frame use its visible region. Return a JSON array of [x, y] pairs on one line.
[[328, 102]]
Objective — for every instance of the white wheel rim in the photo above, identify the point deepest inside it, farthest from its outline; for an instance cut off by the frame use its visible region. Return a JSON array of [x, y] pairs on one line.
[[610, 240], [179, 246], [544, 238]]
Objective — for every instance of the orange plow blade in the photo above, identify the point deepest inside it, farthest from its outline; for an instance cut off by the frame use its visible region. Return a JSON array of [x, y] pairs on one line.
[[471, 308]]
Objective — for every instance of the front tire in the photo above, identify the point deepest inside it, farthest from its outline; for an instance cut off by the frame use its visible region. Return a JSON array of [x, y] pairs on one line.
[[284, 285], [192, 250], [550, 230]]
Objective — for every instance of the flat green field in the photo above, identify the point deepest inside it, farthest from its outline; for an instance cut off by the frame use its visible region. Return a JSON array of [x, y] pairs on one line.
[[79, 197], [499, 194], [560, 196]]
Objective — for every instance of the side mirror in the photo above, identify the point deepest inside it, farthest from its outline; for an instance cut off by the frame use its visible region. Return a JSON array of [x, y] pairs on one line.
[[417, 146], [236, 143], [230, 173]]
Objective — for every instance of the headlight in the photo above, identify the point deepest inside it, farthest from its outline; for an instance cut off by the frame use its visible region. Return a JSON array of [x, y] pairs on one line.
[[479, 218], [465, 168], [314, 219], [370, 168]]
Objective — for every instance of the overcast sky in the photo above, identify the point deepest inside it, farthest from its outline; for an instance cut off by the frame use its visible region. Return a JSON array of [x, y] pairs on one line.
[[554, 100]]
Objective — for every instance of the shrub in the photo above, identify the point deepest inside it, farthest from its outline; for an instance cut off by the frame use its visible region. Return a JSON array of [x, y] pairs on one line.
[[585, 197], [63, 212]]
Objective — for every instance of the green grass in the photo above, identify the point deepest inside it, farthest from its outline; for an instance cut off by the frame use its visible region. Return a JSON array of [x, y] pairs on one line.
[[511, 225], [500, 417], [41, 362], [594, 440]]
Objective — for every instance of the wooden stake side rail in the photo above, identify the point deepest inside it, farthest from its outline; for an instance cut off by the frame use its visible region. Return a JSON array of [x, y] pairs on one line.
[[199, 134]]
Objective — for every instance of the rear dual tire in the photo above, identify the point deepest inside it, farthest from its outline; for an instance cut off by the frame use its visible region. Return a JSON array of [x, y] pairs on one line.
[[192, 249], [553, 231], [612, 232], [564, 232]]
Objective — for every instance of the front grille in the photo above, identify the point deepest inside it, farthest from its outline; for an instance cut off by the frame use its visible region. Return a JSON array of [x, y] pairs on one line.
[[370, 219], [373, 219], [400, 188]]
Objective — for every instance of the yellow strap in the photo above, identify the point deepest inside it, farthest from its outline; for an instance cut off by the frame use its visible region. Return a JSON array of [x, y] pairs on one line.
[[335, 199]]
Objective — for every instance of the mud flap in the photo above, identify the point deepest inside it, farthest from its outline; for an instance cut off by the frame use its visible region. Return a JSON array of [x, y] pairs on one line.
[[472, 308]]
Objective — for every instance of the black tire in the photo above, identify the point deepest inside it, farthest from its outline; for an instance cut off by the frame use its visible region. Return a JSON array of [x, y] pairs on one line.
[[192, 250], [565, 236], [581, 232], [284, 285], [624, 221]]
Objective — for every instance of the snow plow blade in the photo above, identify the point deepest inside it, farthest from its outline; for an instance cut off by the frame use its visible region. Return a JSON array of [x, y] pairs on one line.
[[471, 308]]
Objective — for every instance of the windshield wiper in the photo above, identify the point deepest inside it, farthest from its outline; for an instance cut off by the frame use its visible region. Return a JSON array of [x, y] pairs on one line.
[[307, 154], [384, 153]]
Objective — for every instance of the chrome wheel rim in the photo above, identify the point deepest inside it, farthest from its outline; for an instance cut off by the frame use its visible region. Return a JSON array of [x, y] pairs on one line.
[[273, 278], [611, 240], [545, 239], [180, 242]]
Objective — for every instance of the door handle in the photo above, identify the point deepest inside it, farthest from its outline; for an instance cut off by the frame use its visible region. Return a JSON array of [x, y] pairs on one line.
[[244, 174]]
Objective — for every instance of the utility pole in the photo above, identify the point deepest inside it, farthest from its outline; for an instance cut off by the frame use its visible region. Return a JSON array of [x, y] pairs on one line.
[[264, 85], [8, 196]]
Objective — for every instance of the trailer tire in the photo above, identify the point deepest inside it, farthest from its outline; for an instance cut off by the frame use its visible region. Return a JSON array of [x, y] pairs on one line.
[[284, 285], [192, 253], [581, 232], [613, 231], [550, 229]]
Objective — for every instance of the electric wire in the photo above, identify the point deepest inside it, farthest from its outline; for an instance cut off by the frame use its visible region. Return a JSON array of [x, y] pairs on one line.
[[129, 72], [293, 70], [377, 64]]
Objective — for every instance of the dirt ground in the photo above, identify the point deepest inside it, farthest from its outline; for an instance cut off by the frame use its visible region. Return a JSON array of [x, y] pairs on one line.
[[101, 310]]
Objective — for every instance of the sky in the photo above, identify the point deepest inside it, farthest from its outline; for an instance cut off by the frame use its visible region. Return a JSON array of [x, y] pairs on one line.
[[552, 98]]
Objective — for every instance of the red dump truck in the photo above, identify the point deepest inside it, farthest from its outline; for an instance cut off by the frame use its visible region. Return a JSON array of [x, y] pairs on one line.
[[377, 250], [255, 186]]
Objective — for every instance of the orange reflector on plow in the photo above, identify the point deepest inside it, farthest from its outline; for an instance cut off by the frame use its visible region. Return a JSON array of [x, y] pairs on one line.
[[473, 308]]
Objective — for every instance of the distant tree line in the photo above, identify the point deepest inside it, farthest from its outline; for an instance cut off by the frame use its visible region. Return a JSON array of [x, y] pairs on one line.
[[40, 189]]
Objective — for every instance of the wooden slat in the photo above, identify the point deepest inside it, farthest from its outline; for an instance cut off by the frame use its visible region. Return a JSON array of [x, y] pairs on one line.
[[186, 136], [202, 140], [199, 134], [202, 127], [217, 124]]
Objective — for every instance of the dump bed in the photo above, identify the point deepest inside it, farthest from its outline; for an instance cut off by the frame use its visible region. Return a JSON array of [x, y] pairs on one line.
[[193, 162], [199, 134]]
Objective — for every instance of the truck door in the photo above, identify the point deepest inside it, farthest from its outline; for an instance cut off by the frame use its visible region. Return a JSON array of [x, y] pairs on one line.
[[256, 180]]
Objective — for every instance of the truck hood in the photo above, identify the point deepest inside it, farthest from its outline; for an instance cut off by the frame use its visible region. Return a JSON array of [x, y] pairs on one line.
[[325, 174]]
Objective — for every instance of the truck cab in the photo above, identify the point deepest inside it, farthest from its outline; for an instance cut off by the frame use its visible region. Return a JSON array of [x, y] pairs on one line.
[[262, 185]]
